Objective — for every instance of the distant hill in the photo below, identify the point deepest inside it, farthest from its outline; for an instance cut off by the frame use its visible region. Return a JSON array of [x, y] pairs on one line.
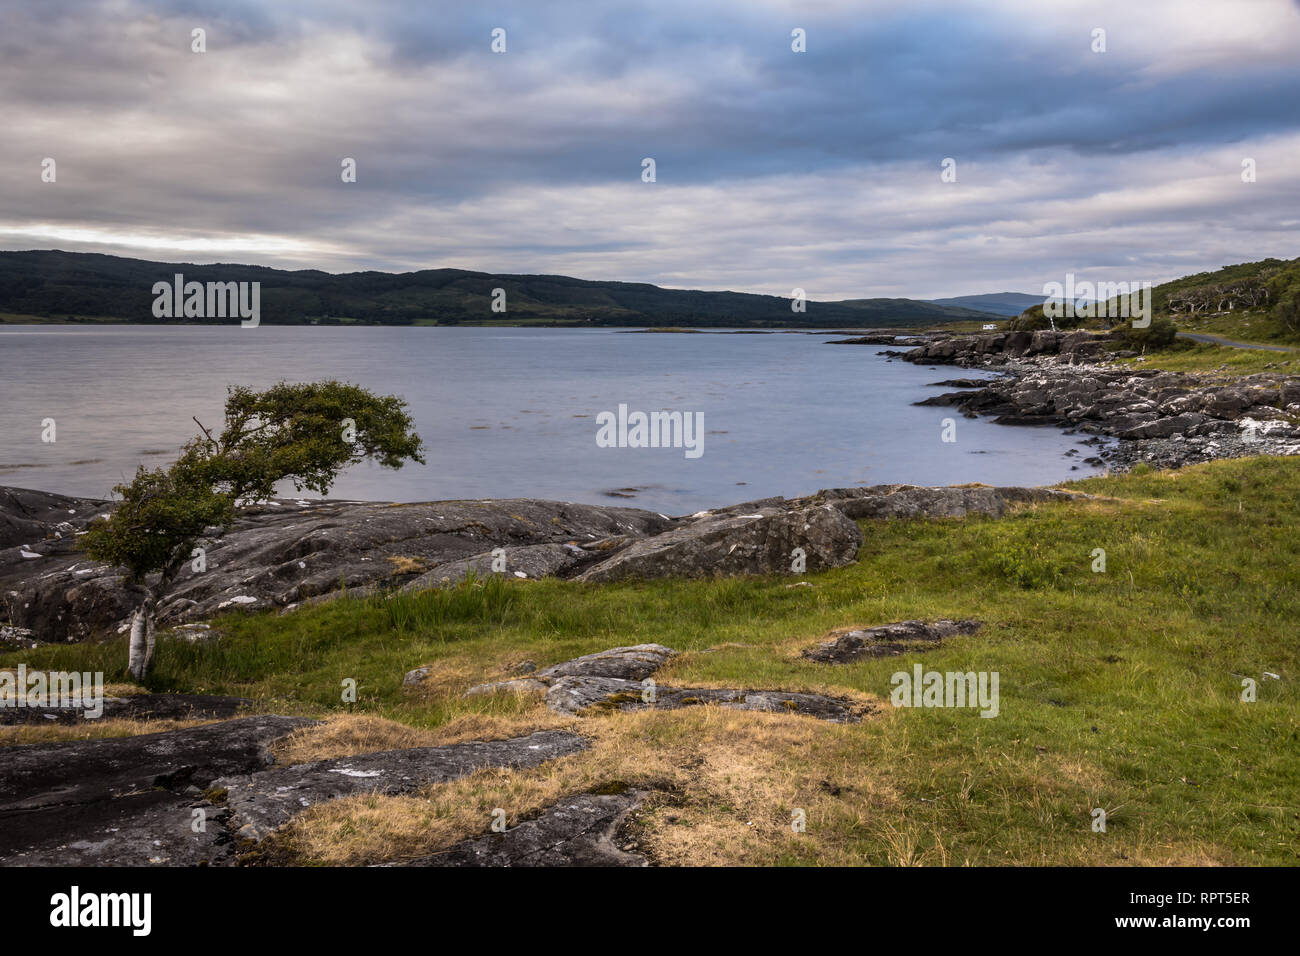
[[1247, 285], [66, 286], [999, 303]]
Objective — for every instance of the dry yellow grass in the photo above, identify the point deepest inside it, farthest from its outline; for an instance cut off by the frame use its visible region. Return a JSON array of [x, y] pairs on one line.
[[407, 565], [724, 788], [50, 732], [726, 784], [345, 735], [448, 676]]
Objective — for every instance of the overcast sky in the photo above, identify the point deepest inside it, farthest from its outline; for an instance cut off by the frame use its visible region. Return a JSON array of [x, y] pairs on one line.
[[775, 169]]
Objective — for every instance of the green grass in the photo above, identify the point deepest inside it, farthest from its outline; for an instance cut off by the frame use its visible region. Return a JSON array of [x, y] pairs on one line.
[[1241, 326], [1205, 357], [1118, 689]]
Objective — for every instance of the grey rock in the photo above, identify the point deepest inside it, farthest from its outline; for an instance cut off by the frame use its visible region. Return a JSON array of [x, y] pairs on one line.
[[288, 552], [914, 501], [134, 707], [577, 695], [16, 638], [262, 802], [759, 543], [28, 517], [517, 685], [580, 830], [412, 678], [151, 828], [888, 640], [1164, 427], [126, 800], [628, 663], [618, 679], [1152, 414], [532, 561]]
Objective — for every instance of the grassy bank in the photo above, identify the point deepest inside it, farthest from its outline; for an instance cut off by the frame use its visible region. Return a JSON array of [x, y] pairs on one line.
[[1119, 690], [1241, 326], [1221, 360]]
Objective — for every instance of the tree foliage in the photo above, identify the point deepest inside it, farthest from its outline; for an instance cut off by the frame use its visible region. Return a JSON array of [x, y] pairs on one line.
[[305, 434], [1160, 334], [1284, 291]]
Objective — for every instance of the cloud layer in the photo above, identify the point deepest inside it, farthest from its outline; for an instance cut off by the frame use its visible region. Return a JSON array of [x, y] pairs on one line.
[[775, 169]]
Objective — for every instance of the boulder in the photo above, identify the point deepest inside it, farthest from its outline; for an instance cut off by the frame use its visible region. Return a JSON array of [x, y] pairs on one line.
[[633, 663], [763, 542], [627, 663], [1164, 427]]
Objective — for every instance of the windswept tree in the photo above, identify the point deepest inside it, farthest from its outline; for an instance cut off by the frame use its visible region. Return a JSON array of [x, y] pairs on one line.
[[305, 434], [1284, 289]]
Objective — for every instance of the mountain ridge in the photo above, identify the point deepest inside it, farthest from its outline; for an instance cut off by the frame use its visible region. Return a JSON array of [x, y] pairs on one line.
[[81, 286]]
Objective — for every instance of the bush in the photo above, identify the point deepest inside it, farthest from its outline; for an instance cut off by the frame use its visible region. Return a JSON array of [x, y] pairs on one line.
[[1034, 318], [1030, 320], [1160, 334]]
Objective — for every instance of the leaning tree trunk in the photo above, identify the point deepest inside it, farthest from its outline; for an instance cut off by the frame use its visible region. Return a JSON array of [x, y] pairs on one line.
[[140, 662]]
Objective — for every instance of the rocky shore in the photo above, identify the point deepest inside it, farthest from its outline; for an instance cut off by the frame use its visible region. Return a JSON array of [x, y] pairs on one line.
[[284, 553], [1132, 415]]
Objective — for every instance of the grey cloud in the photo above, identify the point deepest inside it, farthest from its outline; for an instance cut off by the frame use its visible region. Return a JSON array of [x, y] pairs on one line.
[[245, 141]]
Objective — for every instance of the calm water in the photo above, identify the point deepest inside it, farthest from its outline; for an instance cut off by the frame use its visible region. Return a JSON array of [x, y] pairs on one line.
[[511, 412]]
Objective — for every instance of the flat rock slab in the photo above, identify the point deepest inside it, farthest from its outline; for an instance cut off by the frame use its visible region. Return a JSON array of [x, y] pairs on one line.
[[150, 828], [581, 830], [288, 552], [888, 640], [636, 662], [260, 803], [134, 707], [579, 695], [616, 680], [108, 800]]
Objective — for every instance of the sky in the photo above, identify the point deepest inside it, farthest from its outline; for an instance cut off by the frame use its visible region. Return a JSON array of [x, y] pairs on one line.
[[774, 169]]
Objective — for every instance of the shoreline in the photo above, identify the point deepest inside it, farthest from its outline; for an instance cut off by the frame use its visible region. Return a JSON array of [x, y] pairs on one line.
[[1161, 418], [288, 552]]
